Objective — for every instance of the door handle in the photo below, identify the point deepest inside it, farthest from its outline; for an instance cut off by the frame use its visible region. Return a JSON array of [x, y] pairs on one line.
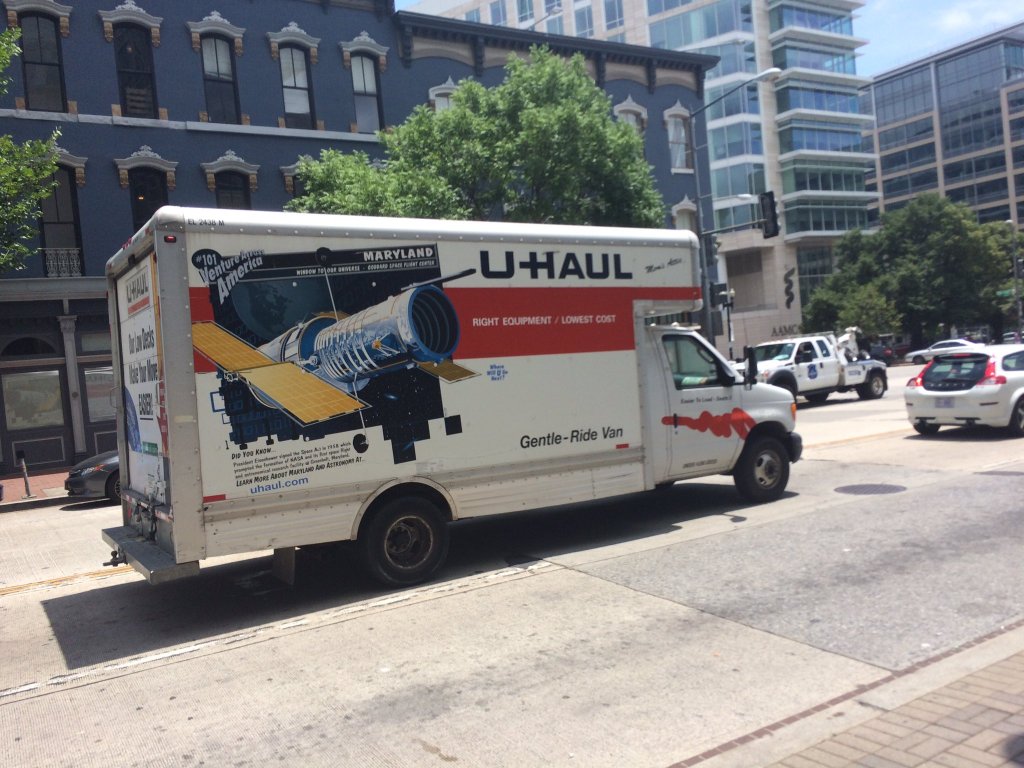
[[675, 420]]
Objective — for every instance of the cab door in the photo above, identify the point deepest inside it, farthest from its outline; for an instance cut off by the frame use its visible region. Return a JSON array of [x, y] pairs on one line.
[[813, 370], [703, 416]]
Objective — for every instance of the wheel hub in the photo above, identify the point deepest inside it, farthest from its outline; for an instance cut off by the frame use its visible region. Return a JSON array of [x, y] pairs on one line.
[[408, 542]]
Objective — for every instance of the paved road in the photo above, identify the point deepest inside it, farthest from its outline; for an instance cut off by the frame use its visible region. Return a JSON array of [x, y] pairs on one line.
[[639, 632]]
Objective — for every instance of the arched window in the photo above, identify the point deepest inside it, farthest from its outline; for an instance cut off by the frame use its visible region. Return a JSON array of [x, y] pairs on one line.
[[42, 66], [364, 88], [298, 94], [677, 125], [631, 113], [219, 80], [28, 345], [149, 192], [232, 190], [134, 57]]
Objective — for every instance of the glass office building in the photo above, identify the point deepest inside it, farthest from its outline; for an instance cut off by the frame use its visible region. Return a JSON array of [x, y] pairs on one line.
[[801, 136], [953, 123]]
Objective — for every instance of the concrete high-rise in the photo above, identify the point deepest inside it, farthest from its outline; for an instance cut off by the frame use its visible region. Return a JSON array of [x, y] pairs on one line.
[[800, 136]]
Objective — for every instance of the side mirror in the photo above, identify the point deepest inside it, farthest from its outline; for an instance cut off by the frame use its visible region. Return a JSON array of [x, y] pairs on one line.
[[750, 372]]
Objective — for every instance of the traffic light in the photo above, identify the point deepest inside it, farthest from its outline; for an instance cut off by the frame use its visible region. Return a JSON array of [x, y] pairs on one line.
[[769, 215], [719, 292]]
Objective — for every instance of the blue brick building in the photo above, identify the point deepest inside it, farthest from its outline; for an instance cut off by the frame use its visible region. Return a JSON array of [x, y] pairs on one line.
[[185, 103]]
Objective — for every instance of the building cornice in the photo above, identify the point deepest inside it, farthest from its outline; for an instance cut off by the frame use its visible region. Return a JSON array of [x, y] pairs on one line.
[[416, 25]]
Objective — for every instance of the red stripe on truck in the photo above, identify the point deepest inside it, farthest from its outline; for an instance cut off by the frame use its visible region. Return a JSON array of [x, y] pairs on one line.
[[509, 322], [723, 425]]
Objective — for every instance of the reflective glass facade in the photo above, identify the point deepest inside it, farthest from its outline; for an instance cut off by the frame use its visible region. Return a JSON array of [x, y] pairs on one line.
[[823, 20], [942, 126], [690, 27]]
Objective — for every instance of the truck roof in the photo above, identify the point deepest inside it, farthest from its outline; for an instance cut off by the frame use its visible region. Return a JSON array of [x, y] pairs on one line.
[[180, 219]]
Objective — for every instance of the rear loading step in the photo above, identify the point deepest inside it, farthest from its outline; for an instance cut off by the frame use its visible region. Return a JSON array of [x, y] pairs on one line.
[[146, 557]]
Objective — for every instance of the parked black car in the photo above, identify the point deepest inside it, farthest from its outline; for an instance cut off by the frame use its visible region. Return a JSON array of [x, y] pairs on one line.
[[96, 477]]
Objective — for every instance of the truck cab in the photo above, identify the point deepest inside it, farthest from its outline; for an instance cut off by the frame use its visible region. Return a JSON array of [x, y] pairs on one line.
[[719, 423]]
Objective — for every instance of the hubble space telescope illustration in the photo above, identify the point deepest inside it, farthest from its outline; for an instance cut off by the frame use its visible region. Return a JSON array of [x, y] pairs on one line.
[[314, 371]]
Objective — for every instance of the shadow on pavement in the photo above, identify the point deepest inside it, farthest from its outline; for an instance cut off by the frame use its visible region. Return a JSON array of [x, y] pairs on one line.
[[966, 434], [108, 622], [1015, 750]]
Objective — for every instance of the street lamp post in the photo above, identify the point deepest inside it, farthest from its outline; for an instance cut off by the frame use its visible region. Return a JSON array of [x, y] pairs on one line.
[[704, 238], [555, 11], [1015, 259]]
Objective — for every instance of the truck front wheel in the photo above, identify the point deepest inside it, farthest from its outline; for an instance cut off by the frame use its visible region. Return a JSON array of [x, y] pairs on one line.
[[762, 472], [404, 542]]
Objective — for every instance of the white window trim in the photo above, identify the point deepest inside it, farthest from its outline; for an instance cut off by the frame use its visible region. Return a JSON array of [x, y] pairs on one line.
[[631, 107], [366, 45], [446, 89], [129, 13], [292, 34], [215, 24], [145, 157], [229, 161]]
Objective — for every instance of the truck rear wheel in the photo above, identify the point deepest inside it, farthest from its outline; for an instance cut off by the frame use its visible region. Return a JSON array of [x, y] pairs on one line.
[[872, 389], [404, 542], [762, 472]]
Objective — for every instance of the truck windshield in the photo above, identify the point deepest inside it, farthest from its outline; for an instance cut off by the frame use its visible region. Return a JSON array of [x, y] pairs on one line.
[[773, 351]]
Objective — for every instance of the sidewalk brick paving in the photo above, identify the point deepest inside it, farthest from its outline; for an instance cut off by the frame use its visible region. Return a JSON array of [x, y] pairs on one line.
[[976, 722]]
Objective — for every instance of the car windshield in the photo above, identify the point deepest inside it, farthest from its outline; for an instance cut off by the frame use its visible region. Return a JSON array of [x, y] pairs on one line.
[[780, 351], [961, 368]]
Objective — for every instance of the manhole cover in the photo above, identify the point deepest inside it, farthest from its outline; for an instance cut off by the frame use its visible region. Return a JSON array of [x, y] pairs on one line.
[[869, 489]]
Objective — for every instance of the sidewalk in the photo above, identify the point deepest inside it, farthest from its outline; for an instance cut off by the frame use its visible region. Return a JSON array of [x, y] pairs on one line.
[[961, 709], [46, 488]]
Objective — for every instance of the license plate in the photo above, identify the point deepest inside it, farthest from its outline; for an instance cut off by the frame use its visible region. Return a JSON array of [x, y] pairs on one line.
[[944, 402]]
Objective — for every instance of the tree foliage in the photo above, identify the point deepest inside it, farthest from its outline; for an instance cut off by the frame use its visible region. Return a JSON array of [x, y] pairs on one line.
[[929, 267], [540, 147], [26, 171]]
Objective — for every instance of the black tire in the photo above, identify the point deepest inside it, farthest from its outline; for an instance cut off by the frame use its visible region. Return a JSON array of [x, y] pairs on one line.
[[817, 397], [926, 429], [113, 487], [1016, 425], [873, 388], [404, 542], [762, 472], [787, 384], [918, 360]]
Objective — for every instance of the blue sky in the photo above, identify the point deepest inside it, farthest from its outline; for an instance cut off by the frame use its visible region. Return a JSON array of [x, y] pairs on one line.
[[901, 31]]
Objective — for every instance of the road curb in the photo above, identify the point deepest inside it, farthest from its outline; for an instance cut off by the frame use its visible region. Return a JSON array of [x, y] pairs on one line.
[[36, 503]]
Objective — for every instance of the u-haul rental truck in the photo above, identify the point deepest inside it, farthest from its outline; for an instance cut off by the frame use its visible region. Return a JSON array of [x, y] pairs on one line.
[[293, 379]]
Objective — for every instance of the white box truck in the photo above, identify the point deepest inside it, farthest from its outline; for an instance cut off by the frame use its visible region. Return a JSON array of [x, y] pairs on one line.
[[291, 379]]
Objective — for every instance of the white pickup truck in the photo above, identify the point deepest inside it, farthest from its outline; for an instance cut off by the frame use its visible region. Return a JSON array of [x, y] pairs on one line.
[[817, 365]]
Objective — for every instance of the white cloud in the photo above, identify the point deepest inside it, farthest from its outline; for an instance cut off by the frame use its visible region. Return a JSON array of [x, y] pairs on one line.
[[977, 17]]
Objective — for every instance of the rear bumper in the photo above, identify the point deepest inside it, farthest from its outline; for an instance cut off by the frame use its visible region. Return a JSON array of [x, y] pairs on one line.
[[89, 487], [985, 410], [146, 557]]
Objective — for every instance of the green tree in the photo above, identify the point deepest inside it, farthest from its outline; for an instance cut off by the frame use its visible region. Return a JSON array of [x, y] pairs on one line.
[[26, 176], [540, 147], [930, 266]]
